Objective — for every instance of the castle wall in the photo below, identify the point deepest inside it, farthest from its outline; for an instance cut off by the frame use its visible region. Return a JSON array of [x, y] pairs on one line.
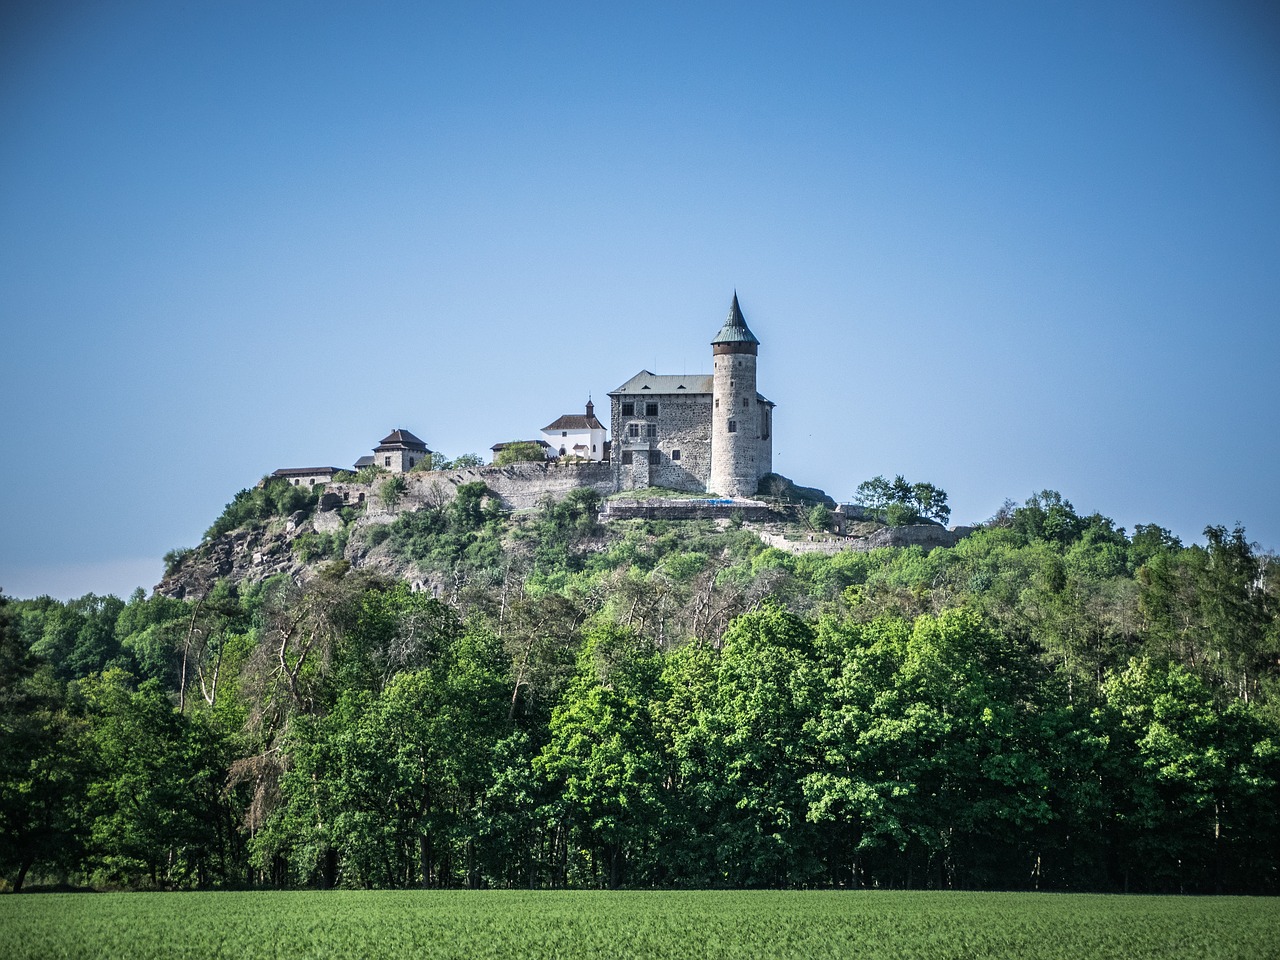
[[670, 449], [520, 486]]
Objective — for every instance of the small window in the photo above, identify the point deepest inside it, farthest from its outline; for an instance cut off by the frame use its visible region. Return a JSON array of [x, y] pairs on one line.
[[386, 461], [675, 456], [311, 481], [593, 448], [296, 481], [655, 458], [626, 458], [346, 496], [628, 409], [650, 409], [564, 433], [650, 429], [633, 429], [411, 462], [360, 498], [733, 426], [744, 403], [717, 403]]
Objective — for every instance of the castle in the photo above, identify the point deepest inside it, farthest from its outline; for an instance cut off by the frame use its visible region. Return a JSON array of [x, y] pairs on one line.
[[701, 432]]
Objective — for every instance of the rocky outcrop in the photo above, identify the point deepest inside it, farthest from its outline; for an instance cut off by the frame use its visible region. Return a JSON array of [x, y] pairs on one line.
[[248, 554]]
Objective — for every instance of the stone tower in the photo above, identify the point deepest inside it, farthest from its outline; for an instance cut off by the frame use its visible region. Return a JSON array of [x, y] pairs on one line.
[[741, 449]]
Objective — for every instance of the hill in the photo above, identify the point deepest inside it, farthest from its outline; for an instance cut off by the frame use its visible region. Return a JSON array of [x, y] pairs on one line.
[[462, 694]]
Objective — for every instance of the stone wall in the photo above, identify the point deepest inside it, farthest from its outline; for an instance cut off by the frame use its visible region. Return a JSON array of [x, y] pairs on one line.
[[520, 486], [677, 456], [675, 509], [927, 536]]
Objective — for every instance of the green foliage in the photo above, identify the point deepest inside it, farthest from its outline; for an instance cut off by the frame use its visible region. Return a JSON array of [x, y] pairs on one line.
[[1048, 704], [370, 474], [313, 545], [392, 489], [173, 559], [898, 503], [819, 517], [527, 452], [274, 497], [462, 531]]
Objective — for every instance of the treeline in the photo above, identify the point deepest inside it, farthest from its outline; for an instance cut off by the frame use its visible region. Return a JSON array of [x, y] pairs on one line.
[[1052, 704]]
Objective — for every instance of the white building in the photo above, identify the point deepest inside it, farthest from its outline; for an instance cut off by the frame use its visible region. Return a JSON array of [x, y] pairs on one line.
[[577, 435]]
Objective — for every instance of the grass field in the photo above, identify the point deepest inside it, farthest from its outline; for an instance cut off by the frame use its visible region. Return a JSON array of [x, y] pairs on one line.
[[660, 924]]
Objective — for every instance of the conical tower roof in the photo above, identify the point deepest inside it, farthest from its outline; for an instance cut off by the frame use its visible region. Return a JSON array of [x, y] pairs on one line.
[[735, 328]]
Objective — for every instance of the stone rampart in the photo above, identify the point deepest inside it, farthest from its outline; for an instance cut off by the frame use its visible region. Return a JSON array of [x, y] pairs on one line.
[[681, 509], [520, 486], [927, 536]]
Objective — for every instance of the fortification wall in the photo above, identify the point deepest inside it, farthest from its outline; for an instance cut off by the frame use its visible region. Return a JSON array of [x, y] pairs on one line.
[[674, 509], [926, 536], [520, 486]]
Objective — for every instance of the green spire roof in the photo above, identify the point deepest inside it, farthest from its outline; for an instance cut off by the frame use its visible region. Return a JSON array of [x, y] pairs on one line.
[[735, 327]]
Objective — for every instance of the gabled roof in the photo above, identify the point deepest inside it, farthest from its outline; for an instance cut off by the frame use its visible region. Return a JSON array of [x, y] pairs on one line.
[[735, 326], [364, 462], [647, 382], [401, 440], [575, 421]]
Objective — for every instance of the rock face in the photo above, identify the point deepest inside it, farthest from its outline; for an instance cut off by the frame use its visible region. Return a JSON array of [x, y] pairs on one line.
[[248, 555]]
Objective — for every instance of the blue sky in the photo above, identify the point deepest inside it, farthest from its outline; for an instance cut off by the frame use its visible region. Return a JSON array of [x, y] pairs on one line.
[[996, 246]]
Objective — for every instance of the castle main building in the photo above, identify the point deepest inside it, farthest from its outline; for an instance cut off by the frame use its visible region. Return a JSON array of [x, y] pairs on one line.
[[699, 432]]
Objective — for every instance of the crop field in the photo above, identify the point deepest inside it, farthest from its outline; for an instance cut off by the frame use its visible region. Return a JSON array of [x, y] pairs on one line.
[[668, 925]]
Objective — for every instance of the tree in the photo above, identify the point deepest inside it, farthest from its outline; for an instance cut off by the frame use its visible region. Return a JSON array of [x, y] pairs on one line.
[[898, 502], [525, 451], [602, 758], [41, 764]]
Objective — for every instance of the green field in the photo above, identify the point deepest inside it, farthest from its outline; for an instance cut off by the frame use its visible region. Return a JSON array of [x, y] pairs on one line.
[[662, 925]]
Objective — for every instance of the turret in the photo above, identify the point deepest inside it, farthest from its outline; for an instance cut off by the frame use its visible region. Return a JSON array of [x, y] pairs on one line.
[[741, 452]]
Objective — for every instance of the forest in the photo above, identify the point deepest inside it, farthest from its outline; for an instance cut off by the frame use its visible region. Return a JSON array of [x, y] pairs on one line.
[[1055, 703]]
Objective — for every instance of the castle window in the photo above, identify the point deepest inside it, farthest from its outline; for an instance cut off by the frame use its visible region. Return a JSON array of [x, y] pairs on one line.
[[564, 433], [628, 409], [633, 429], [311, 481], [626, 458], [733, 426], [411, 462], [296, 482], [650, 409], [675, 455], [360, 498], [717, 403], [386, 461], [655, 458], [744, 403], [593, 448], [650, 429]]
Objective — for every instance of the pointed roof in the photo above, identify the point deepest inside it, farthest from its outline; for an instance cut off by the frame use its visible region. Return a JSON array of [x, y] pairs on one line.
[[735, 328], [400, 440]]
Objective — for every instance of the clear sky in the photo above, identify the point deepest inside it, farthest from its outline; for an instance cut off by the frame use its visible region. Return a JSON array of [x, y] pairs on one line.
[[995, 246]]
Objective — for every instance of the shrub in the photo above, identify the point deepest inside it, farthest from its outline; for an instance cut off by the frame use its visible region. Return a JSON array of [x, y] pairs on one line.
[[520, 453]]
